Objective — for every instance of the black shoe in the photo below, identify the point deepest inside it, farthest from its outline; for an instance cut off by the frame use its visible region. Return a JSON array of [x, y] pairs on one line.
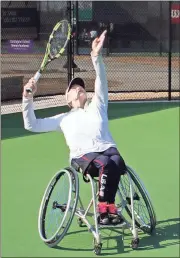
[[115, 219], [103, 219]]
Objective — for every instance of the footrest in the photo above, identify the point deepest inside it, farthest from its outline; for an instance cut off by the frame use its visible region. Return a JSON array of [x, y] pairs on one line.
[[120, 225]]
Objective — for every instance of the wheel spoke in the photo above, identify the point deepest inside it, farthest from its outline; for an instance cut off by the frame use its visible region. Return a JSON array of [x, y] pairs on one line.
[[143, 215], [58, 206]]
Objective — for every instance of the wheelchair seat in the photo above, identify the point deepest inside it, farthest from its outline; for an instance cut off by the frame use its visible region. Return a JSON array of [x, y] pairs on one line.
[[91, 170]]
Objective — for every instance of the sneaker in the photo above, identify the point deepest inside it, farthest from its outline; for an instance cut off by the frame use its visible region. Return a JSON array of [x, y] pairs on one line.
[[103, 217], [114, 217]]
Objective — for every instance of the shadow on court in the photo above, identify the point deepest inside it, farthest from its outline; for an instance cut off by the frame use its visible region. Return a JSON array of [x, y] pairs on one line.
[[106, 249], [166, 234], [12, 124]]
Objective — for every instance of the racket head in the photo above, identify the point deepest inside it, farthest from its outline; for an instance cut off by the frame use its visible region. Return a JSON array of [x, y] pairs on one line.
[[59, 38], [57, 42]]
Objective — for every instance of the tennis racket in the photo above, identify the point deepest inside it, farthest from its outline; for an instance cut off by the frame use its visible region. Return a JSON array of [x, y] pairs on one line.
[[56, 46]]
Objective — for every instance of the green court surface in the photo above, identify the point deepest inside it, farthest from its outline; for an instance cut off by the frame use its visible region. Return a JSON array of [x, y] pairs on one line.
[[147, 135]]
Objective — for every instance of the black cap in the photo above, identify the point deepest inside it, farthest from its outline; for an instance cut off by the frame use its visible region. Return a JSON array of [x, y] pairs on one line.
[[77, 81]]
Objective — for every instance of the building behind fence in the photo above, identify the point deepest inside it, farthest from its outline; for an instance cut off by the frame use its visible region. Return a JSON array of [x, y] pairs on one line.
[[141, 51]]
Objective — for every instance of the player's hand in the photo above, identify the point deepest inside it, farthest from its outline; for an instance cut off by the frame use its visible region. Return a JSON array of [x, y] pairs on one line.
[[97, 44], [30, 85]]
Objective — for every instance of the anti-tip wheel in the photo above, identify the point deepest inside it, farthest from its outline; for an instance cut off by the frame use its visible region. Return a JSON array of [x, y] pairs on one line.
[[135, 243]]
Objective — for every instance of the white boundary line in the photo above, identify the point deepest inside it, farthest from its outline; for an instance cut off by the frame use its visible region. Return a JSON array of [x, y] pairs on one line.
[[16, 108], [45, 102], [144, 101]]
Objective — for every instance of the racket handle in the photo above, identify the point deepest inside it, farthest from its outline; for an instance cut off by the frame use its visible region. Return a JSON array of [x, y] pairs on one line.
[[36, 78]]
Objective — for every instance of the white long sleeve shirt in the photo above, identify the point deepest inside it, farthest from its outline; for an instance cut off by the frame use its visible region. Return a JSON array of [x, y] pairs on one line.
[[85, 130]]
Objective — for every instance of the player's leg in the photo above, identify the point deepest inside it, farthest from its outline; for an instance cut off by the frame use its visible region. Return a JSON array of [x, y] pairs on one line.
[[101, 163], [110, 168], [97, 165], [117, 168]]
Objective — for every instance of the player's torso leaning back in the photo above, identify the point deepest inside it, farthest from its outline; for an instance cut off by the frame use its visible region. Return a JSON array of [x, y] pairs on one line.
[[85, 131]]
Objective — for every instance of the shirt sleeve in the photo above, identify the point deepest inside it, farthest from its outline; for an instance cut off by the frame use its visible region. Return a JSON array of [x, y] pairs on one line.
[[100, 97], [31, 123]]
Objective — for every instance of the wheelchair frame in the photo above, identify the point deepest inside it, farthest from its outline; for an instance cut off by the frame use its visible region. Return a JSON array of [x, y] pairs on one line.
[[83, 213]]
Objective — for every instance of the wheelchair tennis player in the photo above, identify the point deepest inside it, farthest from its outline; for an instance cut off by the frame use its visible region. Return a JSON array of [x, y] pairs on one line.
[[85, 128]]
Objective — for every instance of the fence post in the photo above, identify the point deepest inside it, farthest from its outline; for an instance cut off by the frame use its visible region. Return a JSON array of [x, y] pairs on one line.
[[160, 30], [77, 28], [107, 40], [69, 52], [169, 53], [70, 64]]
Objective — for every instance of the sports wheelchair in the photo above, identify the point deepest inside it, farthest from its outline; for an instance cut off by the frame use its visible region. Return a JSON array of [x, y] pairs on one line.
[[61, 201]]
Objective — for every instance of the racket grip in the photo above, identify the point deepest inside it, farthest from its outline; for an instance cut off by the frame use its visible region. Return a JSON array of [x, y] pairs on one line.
[[37, 76]]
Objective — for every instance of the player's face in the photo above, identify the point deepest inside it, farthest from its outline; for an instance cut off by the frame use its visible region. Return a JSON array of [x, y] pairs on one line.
[[77, 92]]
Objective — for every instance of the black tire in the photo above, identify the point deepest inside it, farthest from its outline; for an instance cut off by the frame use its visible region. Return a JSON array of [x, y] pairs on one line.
[[97, 247], [63, 207], [140, 194], [80, 222], [135, 243]]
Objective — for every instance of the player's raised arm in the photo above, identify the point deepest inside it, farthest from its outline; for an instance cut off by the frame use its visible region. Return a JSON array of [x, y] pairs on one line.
[[31, 123], [101, 85]]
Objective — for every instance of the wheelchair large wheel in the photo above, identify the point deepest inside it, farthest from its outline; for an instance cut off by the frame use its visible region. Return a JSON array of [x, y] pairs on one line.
[[145, 217], [58, 206]]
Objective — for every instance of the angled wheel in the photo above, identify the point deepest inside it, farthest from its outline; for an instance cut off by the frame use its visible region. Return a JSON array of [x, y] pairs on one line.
[[58, 206], [145, 217]]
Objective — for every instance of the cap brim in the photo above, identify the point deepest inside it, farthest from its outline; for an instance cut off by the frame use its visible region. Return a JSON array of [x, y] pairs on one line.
[[77, 81]]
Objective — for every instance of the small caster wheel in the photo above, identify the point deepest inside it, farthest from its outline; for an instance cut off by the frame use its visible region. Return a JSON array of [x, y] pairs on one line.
[[135, 243], [97, 248], [80, 222]]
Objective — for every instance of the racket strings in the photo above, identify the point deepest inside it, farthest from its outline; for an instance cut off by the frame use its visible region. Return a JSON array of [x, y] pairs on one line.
[[58, 41]]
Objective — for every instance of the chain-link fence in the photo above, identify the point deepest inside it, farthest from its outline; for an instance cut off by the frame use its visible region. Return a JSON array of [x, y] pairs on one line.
[[141, 51], [30, 24], [142, 48]]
